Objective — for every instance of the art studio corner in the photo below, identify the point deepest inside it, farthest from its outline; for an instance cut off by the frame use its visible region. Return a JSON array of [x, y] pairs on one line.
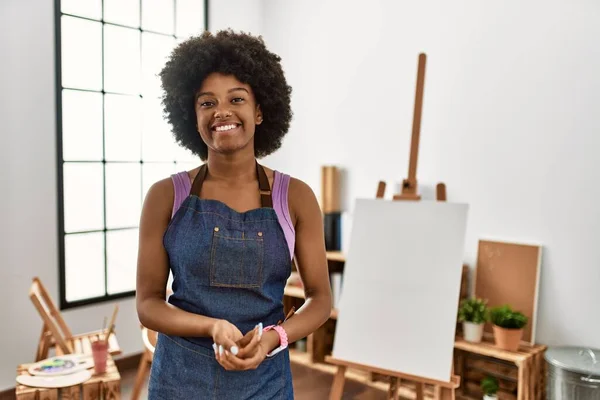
[[449, 149]]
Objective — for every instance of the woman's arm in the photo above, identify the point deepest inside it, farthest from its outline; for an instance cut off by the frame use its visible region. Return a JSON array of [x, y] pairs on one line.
[[154, 312], [312, 266]]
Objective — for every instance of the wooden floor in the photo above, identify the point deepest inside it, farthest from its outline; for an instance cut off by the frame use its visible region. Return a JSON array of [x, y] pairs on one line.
[[309, 384]]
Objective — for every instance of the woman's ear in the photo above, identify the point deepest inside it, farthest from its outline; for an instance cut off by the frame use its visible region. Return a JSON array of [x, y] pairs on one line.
[[259, 116]]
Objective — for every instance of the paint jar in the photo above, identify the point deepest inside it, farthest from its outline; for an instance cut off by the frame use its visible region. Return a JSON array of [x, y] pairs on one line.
[[100, 355]]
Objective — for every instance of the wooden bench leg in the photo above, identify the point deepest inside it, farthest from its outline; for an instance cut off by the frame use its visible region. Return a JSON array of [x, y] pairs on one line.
[[337, 388]]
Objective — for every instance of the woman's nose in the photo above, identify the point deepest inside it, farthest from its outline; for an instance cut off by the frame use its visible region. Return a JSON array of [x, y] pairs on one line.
[[222, 112]]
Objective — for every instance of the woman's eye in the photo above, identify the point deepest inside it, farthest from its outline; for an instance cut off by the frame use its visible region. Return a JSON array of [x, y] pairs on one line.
[[206, 104], [237, 100]]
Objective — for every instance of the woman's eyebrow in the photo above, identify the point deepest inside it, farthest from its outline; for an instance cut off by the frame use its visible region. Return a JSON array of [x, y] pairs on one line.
[[229, 91]]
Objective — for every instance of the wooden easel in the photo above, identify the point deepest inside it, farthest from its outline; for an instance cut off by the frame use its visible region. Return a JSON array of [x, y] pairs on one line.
[[442, 390], [55, 332], [409, 185]]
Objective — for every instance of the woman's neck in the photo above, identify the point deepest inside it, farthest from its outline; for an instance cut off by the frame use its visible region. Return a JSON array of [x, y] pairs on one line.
[[239, 167]]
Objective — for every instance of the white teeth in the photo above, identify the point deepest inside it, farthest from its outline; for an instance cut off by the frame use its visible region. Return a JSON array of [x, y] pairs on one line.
[[225, 128]]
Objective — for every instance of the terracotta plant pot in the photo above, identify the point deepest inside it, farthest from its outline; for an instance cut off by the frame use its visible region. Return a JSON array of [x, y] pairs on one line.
[[507, 339]]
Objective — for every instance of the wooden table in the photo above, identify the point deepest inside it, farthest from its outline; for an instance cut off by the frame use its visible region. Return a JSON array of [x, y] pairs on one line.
[[521, 374], [106, 386]]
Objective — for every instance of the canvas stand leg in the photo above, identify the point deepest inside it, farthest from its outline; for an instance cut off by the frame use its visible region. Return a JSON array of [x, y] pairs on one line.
[[337, 388]]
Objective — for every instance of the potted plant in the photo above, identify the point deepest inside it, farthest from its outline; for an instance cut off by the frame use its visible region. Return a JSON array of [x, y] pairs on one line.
[[508, 327], [489, 385], [473, 313]]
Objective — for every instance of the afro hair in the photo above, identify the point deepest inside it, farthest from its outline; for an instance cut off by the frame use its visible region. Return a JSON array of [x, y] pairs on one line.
[[241, 55]]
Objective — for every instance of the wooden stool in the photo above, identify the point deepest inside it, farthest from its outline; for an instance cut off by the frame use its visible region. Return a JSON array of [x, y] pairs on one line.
[[105, 386]]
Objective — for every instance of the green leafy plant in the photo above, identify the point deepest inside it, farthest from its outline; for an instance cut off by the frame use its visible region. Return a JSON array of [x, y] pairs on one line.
[[473, 310], [489, 385], [505, 317]]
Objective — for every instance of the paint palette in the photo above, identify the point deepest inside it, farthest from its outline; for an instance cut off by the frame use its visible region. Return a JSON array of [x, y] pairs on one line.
[[61, 365], [58, 381]]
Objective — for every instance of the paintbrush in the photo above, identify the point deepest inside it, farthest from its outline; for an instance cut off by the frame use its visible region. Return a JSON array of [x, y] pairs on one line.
[[110, 331]]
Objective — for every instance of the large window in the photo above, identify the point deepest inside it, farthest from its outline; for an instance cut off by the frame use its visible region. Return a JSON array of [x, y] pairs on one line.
[[112, 140]]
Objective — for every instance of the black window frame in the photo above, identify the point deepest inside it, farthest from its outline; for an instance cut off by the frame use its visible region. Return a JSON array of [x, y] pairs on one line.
[[63, 303]]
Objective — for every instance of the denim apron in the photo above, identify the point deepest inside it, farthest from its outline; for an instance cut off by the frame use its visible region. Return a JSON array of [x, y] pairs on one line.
[[226, 265]]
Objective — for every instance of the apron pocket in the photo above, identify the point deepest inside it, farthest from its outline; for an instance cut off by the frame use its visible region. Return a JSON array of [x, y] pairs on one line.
[[236, 258]]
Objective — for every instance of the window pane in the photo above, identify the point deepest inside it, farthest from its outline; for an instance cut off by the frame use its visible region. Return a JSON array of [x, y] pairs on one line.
[[123, 127], [184, 155], [83, 196], [84, 265], [190, 17], [81, 53], [158, 143], [155, 50], [122, 248], [83, 8], [154, 172], [121, 59], [81, 125], [123, 195], [158, 16], [124, 12]]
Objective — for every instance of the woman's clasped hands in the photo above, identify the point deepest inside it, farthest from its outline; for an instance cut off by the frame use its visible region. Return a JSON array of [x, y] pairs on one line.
[[235, 351]]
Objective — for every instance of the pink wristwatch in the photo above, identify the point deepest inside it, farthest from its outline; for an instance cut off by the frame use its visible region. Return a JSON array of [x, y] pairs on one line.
[[283, 339]]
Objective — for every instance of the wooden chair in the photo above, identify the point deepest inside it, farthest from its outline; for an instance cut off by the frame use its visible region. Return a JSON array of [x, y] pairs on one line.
[[55, 332], [149, 338]]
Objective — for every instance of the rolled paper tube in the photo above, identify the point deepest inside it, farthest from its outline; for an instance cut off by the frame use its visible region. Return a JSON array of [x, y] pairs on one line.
[[330, 189]]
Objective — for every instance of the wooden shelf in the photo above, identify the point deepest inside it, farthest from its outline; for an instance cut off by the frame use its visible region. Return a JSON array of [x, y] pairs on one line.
[[336, 256], [297, 292], [521, 373], [294, 291], [488, 348]]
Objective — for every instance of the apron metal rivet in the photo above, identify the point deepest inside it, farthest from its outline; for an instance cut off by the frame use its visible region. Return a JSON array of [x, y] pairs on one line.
[[259, 233], [216, 229]]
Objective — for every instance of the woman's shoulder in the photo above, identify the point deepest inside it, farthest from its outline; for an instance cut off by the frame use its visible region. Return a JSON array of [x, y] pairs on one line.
[[164, 193]]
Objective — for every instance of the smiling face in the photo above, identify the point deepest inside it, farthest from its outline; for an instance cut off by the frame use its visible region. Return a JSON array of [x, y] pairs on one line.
[[226, 114]]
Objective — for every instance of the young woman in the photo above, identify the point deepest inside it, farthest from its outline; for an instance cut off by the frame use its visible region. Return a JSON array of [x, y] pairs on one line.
[[228, 231]]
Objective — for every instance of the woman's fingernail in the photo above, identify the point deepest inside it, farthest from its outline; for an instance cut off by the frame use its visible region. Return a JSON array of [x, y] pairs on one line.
[[260, 330], [234, 350], [215, 348], [220, 349]]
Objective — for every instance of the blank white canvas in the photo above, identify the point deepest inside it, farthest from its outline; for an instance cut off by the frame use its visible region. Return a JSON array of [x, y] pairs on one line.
[[401, 286]]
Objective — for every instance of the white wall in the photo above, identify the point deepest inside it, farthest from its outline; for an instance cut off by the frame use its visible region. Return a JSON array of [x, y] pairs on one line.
[[510, 122], [239, 15], [28, 205]]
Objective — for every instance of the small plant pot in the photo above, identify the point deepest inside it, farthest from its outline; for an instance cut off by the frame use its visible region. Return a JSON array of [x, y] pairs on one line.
[[507, 339], [472, 332], [490, 397]]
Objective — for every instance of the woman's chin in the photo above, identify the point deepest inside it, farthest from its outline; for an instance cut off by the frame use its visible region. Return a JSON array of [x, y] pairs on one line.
[[230, 147]]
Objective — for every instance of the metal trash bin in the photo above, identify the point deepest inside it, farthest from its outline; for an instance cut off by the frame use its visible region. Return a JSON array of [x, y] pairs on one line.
[[573, 373]]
